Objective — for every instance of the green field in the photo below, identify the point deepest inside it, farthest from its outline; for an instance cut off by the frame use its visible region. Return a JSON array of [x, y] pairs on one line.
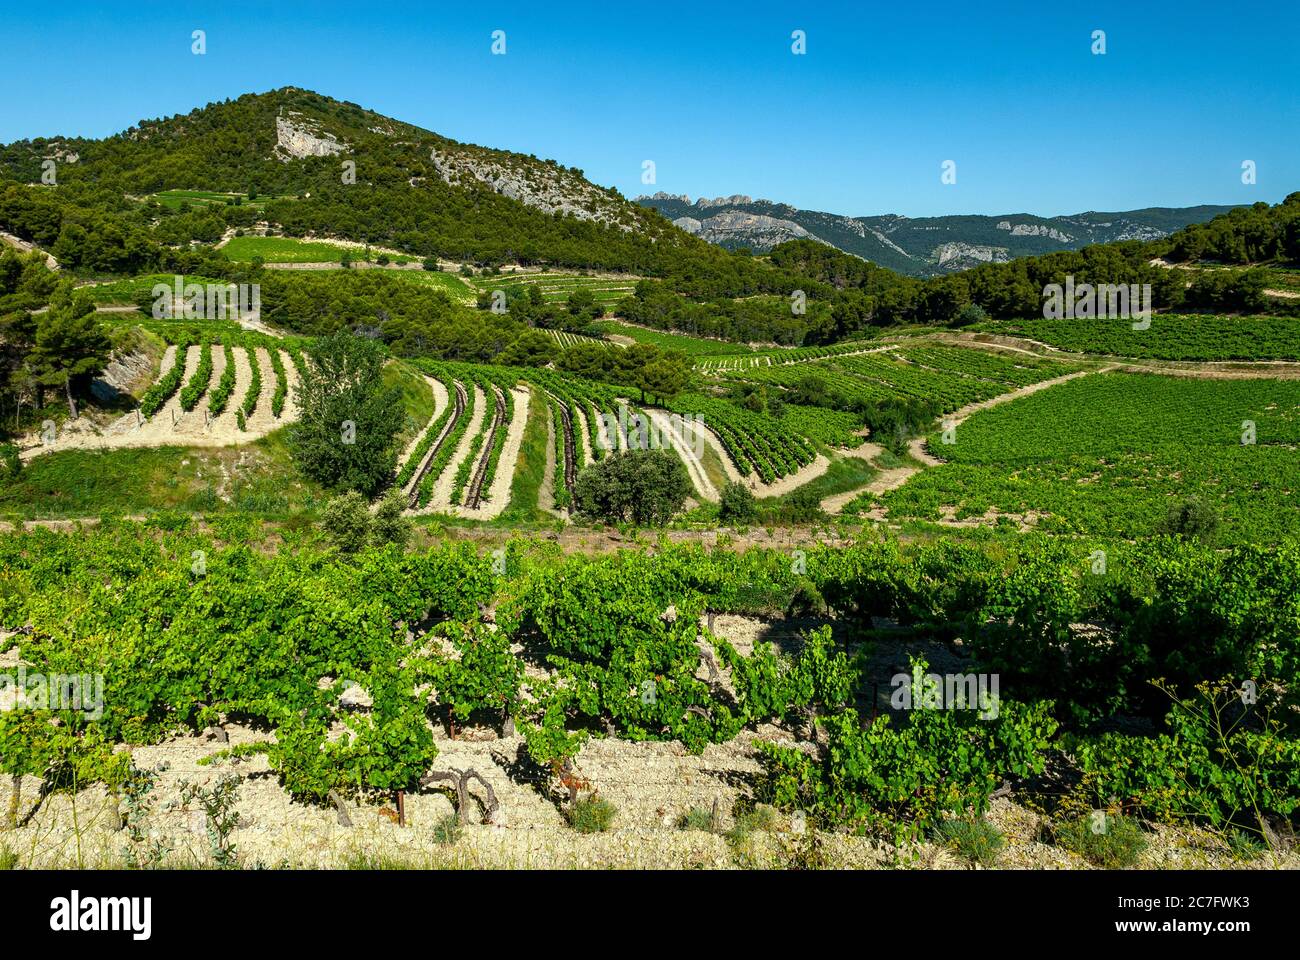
[[291, 250], [1109, 454], [556, 287], [448, 283], [948, 376], [174, 199], [1170, 337], [132, 290], [257, 479]]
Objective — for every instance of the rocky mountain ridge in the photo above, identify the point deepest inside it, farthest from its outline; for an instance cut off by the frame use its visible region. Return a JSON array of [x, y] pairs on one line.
[[921, 246]]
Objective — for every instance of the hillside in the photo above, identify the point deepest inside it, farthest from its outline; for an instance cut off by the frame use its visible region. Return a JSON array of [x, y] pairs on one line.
[[922, 246], [312, 164]]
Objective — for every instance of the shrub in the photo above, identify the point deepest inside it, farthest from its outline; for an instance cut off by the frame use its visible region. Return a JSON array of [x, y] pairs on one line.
[[737, 503], [760, 818], [802, 506], [645, 487], [590, 814], [388, 525], [431, 263], [974, 838], [1106, 840], [1191, 520], [11, 466], [970, 314], [447, 831], [346, 521], [697, 818]]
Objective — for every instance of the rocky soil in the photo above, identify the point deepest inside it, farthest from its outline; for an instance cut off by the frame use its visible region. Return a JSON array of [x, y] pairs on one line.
[[651, 785]]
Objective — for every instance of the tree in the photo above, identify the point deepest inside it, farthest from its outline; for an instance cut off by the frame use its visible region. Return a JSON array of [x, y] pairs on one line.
[[969, 314], [644, 486], [345, 437], [69, 344], [662, 379], [532, 348], [1191, 520], [811, 391], [737, 502]]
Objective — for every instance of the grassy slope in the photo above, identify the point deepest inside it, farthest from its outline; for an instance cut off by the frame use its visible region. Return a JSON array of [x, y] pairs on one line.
[[257, 478]]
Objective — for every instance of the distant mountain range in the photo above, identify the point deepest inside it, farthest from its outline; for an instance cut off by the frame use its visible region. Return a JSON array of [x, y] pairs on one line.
[[921, 246]]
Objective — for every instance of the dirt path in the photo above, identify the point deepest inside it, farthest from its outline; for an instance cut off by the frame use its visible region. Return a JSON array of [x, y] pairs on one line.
[[26, 247], [417, 479], [262, 420], [546, 492], [674, 432], [894, 477], [497, 496], [440, 499], [580, 425], [474, 491]]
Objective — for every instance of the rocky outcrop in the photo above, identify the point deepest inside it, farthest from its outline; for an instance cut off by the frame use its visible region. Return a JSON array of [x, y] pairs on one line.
[[731, 201], [957, 255], [1034, 230], [296, 139], [735, 227], [548, 187]]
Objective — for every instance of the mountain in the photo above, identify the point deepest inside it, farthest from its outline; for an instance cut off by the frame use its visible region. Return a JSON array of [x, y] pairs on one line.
[[922, 246]]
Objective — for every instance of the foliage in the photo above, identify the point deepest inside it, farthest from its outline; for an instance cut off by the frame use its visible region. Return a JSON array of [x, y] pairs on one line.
[[345, 438], [220, 818], [346, 521], [975, 838], [908, 777], [590, 814], [1106, 840], [645, 487], [737, 503], [1191, 519], [1222, 764]]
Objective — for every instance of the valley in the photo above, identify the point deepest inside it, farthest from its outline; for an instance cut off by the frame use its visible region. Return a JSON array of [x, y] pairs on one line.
[[516, 524]]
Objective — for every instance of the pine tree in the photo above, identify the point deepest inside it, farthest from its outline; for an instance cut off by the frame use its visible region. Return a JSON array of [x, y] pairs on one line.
[[69, 344]]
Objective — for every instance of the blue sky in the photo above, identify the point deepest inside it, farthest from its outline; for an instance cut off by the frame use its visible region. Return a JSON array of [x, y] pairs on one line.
[[860, 124]]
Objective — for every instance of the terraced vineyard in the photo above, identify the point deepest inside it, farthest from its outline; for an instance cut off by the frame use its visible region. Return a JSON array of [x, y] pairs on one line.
[[950, 376], [1110, 454], [566, 339], [556, 287], [691, 346], [755, 442], [464, 459], [210, 391], [773, 358]]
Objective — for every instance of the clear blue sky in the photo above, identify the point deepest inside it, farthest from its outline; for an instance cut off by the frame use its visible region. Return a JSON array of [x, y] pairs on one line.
[[858, 125]]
